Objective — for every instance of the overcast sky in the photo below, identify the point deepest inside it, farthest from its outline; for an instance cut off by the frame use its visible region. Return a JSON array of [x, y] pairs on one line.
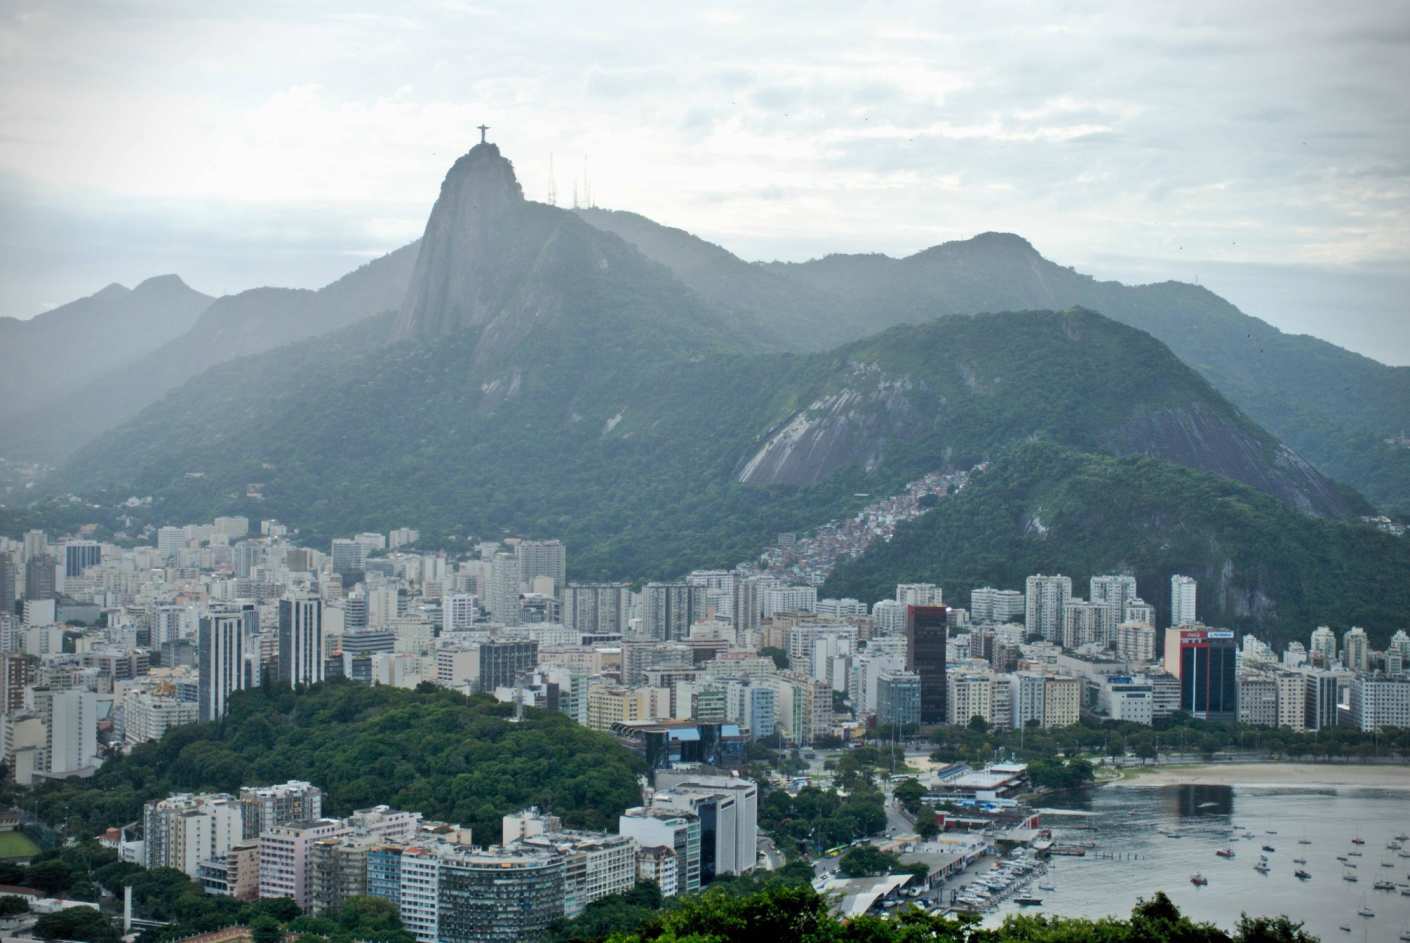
[[1260, 148]]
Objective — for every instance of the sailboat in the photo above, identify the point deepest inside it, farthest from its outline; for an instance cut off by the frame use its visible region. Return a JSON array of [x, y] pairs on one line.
[[1365, 910]]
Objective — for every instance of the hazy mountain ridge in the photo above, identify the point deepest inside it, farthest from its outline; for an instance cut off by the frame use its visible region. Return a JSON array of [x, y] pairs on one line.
[[1041, 508], [250, 322], [91, 335], [1334, 407]]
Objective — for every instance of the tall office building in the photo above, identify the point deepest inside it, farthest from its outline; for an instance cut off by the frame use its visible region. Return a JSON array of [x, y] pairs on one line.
[[542, 558], [220, 659], [81, 554], [1204, 662], [300, 641], [40, 578], [1182, 600], [1044, 600], [898, 699], [927, 635], [7, 583], [349, 558], [669, 609]]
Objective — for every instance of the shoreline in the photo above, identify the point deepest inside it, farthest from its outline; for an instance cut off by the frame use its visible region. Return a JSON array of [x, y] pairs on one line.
[[1284, 775]]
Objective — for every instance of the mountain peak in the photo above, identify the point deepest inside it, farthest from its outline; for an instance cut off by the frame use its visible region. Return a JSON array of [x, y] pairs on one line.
[[482, 180], [985, 244], [171, 282], [464, 270]]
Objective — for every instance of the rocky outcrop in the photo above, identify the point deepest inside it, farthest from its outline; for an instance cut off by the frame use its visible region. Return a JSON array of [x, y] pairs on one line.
[[853, 425], [1202, 438]]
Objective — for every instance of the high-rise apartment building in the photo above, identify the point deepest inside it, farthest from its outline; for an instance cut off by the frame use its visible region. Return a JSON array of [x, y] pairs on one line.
[[1378, 703], [17, 672], [927, 635], [919, 594], [1323, 646], [1135, 642], [170, 542], [747, 605], [182, 831], [1062, 700], [1113, 590], [989, 605], [542, 558], [502, 597], [1182, 600], [1044, 600], [597, 608], [286, 858], [669, 609], [1356, 649], [1088, 623], [264, 807], [459, 612]]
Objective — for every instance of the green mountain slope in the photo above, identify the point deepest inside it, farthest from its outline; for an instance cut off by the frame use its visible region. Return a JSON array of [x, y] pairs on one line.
[[1334, 407], [650, 464], [1041, 508], [434, 752]]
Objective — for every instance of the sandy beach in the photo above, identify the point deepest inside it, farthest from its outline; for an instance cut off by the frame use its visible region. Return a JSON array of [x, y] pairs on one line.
[[1270, 774]]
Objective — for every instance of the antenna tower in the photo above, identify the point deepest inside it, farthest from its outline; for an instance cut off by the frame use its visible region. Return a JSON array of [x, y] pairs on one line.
[[552, 183]]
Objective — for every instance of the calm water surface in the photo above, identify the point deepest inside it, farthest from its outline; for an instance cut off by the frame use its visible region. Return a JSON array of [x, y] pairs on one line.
[[1127, 822]]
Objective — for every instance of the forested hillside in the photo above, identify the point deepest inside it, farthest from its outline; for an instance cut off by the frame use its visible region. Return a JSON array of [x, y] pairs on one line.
[[651, 465], [1041, 508], [431, 751]]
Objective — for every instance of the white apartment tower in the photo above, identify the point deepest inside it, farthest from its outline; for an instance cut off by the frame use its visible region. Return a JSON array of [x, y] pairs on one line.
[[1182, 600], [1045, 599]]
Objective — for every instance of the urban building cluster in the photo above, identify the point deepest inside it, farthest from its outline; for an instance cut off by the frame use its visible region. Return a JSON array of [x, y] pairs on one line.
[[274, 842], [103, 647]]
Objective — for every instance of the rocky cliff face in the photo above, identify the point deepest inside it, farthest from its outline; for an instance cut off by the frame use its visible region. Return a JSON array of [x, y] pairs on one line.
[[855, 425]]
